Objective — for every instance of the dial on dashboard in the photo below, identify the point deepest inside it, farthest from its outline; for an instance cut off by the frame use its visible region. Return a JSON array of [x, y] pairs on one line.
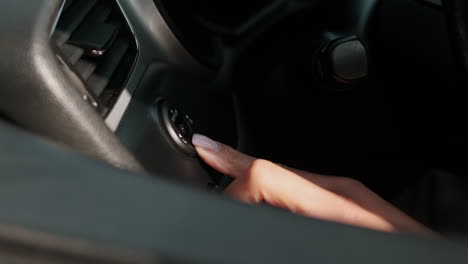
[[178, 125]]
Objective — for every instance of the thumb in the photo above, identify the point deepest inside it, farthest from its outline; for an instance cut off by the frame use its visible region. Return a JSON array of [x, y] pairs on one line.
[[222, 157]]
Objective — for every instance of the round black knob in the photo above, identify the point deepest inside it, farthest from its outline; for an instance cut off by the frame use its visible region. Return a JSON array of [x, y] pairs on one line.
[[344, 60], [179, 127]]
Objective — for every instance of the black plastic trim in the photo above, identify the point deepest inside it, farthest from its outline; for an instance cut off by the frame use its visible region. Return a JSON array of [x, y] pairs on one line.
[[156, 42], [36, 92]]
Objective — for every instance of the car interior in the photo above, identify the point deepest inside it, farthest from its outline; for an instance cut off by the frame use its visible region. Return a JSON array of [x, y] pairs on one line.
[[100, 100]]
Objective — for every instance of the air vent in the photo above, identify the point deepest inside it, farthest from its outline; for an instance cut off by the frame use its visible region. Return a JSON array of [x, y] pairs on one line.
[[95, 40]]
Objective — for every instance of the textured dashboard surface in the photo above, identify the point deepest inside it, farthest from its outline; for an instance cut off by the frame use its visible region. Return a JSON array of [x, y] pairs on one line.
[[40, 94]]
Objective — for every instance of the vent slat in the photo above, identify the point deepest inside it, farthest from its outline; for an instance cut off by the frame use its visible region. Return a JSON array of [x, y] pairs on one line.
[[102, 75], [73, 17], [72, 53], [94, 38], [85, 68]]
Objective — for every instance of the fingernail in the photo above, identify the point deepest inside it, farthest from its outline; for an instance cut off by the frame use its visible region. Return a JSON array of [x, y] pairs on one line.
[[205, 143]]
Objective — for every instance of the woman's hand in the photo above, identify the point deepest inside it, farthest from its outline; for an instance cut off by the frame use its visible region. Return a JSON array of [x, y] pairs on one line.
[[330, 198]]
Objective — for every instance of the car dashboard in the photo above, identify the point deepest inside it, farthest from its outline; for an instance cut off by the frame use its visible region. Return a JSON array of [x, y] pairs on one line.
[[100, 100]]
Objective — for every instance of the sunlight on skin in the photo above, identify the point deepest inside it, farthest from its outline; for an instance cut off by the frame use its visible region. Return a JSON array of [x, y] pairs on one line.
[[330, 198]]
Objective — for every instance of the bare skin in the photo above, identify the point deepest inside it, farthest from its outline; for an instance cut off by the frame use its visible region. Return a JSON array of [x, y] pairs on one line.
[[337, 199]]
